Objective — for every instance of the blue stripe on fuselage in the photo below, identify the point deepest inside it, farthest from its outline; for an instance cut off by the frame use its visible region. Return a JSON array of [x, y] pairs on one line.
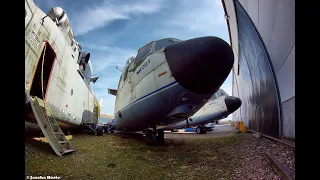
[[150, 94], [155, 91]]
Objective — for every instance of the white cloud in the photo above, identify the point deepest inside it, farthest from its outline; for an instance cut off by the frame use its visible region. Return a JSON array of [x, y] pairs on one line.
[[108, 56], [106, 48], [106, 12], [108, 104], [195, 18], [100, 102], [198, 17], [190, 19], [106, 101], [112, 56]]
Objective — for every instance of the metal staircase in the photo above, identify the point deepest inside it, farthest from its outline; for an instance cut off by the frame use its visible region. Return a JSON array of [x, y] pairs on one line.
[[91, 126], [50, 127]]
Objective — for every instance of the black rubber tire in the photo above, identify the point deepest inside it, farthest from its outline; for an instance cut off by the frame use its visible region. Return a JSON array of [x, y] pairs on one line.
[[204, 129], [100, 131], [198, 130], [149, 138], [160, 137]]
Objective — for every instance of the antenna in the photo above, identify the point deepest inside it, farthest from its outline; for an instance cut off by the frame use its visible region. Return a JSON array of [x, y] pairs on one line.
[[118, 69], [50, 12]]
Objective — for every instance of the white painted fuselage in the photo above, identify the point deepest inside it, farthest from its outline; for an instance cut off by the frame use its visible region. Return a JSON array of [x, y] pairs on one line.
[[68, 94]]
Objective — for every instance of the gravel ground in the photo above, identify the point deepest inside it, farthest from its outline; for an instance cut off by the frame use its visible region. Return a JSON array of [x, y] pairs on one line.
[[250, 151]]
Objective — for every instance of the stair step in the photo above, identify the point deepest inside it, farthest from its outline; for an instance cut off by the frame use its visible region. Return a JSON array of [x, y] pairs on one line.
[[44, 107], [54, 135], [63, 142], [67, 150]]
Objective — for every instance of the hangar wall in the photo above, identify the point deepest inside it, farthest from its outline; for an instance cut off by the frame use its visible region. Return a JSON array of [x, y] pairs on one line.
[[268, 93]]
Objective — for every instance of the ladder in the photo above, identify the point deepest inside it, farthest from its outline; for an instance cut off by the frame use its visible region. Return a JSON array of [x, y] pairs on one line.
[[91, 126], [50, 127]]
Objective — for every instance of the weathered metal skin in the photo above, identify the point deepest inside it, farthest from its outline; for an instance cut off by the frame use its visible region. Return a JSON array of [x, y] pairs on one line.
[[152, 91], [69, 95]]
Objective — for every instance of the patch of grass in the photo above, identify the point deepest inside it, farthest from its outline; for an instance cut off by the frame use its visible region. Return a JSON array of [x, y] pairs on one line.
[[114, 157]]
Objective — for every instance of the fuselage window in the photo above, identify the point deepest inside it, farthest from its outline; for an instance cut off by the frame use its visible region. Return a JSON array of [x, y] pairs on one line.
[[143, 53], [214, 97], [175, 40], [127, 67], [119, 81], [162, 43], [219, 93], [125, 72]]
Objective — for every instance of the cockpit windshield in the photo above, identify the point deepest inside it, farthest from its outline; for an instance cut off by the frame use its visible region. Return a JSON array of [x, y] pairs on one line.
[[143, 52], [151, 47], [218, 94], [129, 60], [164, 42], [221, 92]]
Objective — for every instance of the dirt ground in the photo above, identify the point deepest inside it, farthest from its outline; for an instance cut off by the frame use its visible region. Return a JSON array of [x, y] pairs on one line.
[[220, 154]]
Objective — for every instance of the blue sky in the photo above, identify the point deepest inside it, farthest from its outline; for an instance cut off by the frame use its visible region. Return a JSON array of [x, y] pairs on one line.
[[113, 30]]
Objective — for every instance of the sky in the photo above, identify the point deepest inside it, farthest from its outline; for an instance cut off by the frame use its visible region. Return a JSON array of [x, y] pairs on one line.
[[114, 30]]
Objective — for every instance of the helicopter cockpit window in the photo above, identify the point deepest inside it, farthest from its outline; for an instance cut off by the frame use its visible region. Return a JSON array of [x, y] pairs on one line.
[[119, 81], [125, 72], [175, 40], [163, 43], [221, 93], [130, 60], [214, 97], [127, 67], [143, 53]]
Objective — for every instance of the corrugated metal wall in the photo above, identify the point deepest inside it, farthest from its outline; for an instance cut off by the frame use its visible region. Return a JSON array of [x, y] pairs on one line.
[[259, 88], [256, 82]]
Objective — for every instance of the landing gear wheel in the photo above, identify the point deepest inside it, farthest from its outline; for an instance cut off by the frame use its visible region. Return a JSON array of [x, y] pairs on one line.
[[204, 129], [198, 130], [201, 130], [149, 138], [160, 137], [154, 137], [100, 131]]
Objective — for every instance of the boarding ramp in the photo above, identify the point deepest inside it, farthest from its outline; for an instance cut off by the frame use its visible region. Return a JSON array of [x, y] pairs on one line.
[[50, 127]]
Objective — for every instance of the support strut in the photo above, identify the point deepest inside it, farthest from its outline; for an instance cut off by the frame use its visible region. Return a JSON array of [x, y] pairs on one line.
[[187, 122]]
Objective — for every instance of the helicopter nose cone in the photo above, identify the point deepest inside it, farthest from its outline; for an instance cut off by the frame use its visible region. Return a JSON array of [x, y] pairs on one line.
[[232, 103], [200, 65]]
